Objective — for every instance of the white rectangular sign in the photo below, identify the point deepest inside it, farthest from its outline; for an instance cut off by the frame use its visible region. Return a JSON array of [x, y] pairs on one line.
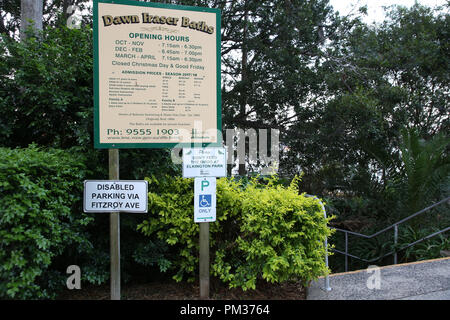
[[205, 199], [115, 196], [204, 162]]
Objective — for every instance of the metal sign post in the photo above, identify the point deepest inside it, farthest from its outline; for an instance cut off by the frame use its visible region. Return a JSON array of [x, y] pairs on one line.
[[204, 213], [114, 229], [204, 260], [157, 74]]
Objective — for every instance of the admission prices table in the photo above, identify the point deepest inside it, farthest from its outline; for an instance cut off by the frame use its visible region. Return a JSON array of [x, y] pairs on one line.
[[157, 75]]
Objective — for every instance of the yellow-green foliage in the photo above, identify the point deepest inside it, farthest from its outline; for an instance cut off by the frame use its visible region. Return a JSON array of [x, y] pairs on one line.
[[263, 230]]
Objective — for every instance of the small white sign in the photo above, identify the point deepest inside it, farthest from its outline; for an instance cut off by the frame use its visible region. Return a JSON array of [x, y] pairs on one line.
[[204, 162], [115, 196], [205, 199]]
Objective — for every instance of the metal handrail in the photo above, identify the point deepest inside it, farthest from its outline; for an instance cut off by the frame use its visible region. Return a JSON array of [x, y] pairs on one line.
[[393, 252], [327, 279], [395, 226]]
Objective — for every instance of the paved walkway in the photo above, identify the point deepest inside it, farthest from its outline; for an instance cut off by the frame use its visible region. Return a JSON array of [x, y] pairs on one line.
[[423, 280]]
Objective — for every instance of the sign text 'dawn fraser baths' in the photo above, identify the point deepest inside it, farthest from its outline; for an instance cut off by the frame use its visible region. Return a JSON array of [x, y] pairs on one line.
[[157, 75], [147, 18]]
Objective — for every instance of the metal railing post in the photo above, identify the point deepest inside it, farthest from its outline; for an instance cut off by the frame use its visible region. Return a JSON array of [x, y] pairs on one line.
[[327, 278], [346, 251], [395, 242]]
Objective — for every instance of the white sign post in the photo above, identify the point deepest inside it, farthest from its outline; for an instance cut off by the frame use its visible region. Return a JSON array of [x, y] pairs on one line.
[[205, 199]]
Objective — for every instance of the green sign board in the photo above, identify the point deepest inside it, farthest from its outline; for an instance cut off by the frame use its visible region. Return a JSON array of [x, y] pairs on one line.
[[157, 75]]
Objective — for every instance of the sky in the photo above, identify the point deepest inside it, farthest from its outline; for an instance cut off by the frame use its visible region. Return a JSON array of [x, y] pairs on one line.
[[375, 12]]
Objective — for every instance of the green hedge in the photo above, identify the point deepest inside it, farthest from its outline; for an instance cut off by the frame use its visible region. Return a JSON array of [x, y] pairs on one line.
[[43, 229], [264, 231], [40, 197]]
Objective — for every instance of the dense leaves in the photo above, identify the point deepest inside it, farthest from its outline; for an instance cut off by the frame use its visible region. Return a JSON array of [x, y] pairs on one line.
[[40, 217], [46, 94], [379, 81], [264, 231]]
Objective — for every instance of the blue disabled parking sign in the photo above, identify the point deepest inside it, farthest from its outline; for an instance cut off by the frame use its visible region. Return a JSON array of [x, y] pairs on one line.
[[205, 199]]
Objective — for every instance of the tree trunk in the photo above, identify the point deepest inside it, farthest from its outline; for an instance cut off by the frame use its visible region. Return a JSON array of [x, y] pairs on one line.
[[243, 96], [66, 4], [30, 10]]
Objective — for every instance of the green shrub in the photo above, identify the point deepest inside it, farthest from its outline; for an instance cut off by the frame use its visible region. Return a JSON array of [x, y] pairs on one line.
[[46, 89], [264, 231], [40, 197]]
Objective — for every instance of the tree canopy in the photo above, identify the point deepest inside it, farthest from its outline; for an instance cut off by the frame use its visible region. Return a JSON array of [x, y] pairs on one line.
[[340, 91]]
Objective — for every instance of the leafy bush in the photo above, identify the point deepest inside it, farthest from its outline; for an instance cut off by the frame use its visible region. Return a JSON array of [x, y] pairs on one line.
[[46, 89], [39, 216], [264, 231], [428, 249]]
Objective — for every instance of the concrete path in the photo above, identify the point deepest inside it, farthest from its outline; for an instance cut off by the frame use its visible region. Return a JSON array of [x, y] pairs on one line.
[[423, 280]]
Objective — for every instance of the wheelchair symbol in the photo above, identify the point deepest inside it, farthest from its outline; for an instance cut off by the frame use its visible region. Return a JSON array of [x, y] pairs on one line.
[[204, 200]]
